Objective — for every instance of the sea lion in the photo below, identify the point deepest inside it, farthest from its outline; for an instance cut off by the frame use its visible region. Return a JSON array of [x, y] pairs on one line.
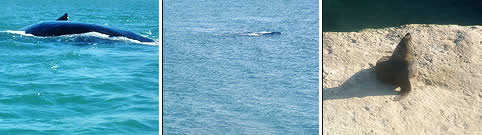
[[400, 67]]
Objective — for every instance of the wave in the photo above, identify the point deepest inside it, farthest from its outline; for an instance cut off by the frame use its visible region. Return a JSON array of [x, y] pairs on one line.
[[18, 32], [85, 37]]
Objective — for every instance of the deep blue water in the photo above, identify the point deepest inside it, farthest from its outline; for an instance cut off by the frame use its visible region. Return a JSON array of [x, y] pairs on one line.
[[81, 84], [354, 15], [219, 77]]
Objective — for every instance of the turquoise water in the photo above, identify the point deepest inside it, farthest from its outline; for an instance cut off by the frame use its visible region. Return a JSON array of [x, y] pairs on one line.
[[221, 75], [82, 84]]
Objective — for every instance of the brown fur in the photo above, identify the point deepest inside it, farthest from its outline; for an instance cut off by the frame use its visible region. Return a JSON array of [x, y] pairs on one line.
[[400, 67]]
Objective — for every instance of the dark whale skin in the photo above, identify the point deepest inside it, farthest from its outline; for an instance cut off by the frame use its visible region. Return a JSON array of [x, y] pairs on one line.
[[58, 28]]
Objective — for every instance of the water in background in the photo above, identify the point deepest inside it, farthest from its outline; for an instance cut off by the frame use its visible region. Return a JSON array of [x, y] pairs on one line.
[[227, 71], [82, 84], [354, 15]]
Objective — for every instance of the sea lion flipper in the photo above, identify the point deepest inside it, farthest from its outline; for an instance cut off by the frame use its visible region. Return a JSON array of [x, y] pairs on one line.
[[405, 86]]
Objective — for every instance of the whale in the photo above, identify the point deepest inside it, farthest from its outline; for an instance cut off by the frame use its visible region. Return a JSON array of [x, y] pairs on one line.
[[265, 33], [269, 33], [64, 27]]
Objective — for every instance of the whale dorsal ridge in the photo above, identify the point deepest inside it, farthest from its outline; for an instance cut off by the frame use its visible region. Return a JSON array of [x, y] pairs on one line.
[[65, 17]]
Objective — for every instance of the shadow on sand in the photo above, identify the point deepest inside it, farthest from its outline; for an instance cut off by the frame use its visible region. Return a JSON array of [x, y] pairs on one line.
[[361, 84]]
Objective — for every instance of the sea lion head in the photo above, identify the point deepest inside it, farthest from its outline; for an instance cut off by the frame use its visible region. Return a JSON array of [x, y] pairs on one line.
[[403, 48]]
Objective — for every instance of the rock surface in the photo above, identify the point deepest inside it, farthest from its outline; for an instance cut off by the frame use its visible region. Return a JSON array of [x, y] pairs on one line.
[[447, 90]]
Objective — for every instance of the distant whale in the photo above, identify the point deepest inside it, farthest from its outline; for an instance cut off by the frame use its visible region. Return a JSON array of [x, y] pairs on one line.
[[64, 27], [261, 33]]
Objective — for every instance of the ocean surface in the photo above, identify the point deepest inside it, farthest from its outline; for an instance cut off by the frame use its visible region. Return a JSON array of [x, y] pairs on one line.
[[226, 70], [355, 15], [88, 84]]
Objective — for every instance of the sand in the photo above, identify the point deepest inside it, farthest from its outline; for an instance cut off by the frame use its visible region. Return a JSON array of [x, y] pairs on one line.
[[447, 91]]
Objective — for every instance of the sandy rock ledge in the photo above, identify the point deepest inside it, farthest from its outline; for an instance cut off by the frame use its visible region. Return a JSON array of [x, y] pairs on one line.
[[447, 91]]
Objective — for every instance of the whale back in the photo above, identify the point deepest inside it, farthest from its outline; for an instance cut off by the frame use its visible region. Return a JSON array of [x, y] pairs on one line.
[[58, 28]]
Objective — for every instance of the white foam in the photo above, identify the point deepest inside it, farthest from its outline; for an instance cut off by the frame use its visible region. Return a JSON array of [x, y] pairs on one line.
[[18, 32], [263, 32], [104, 36], [89, 34], [148, 32], [256, 33], [92, 34], [251, 34]]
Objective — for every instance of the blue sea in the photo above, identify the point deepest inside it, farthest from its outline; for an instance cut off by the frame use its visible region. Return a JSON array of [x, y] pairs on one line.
[[227, 70], [355, 15], [87, 84]]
